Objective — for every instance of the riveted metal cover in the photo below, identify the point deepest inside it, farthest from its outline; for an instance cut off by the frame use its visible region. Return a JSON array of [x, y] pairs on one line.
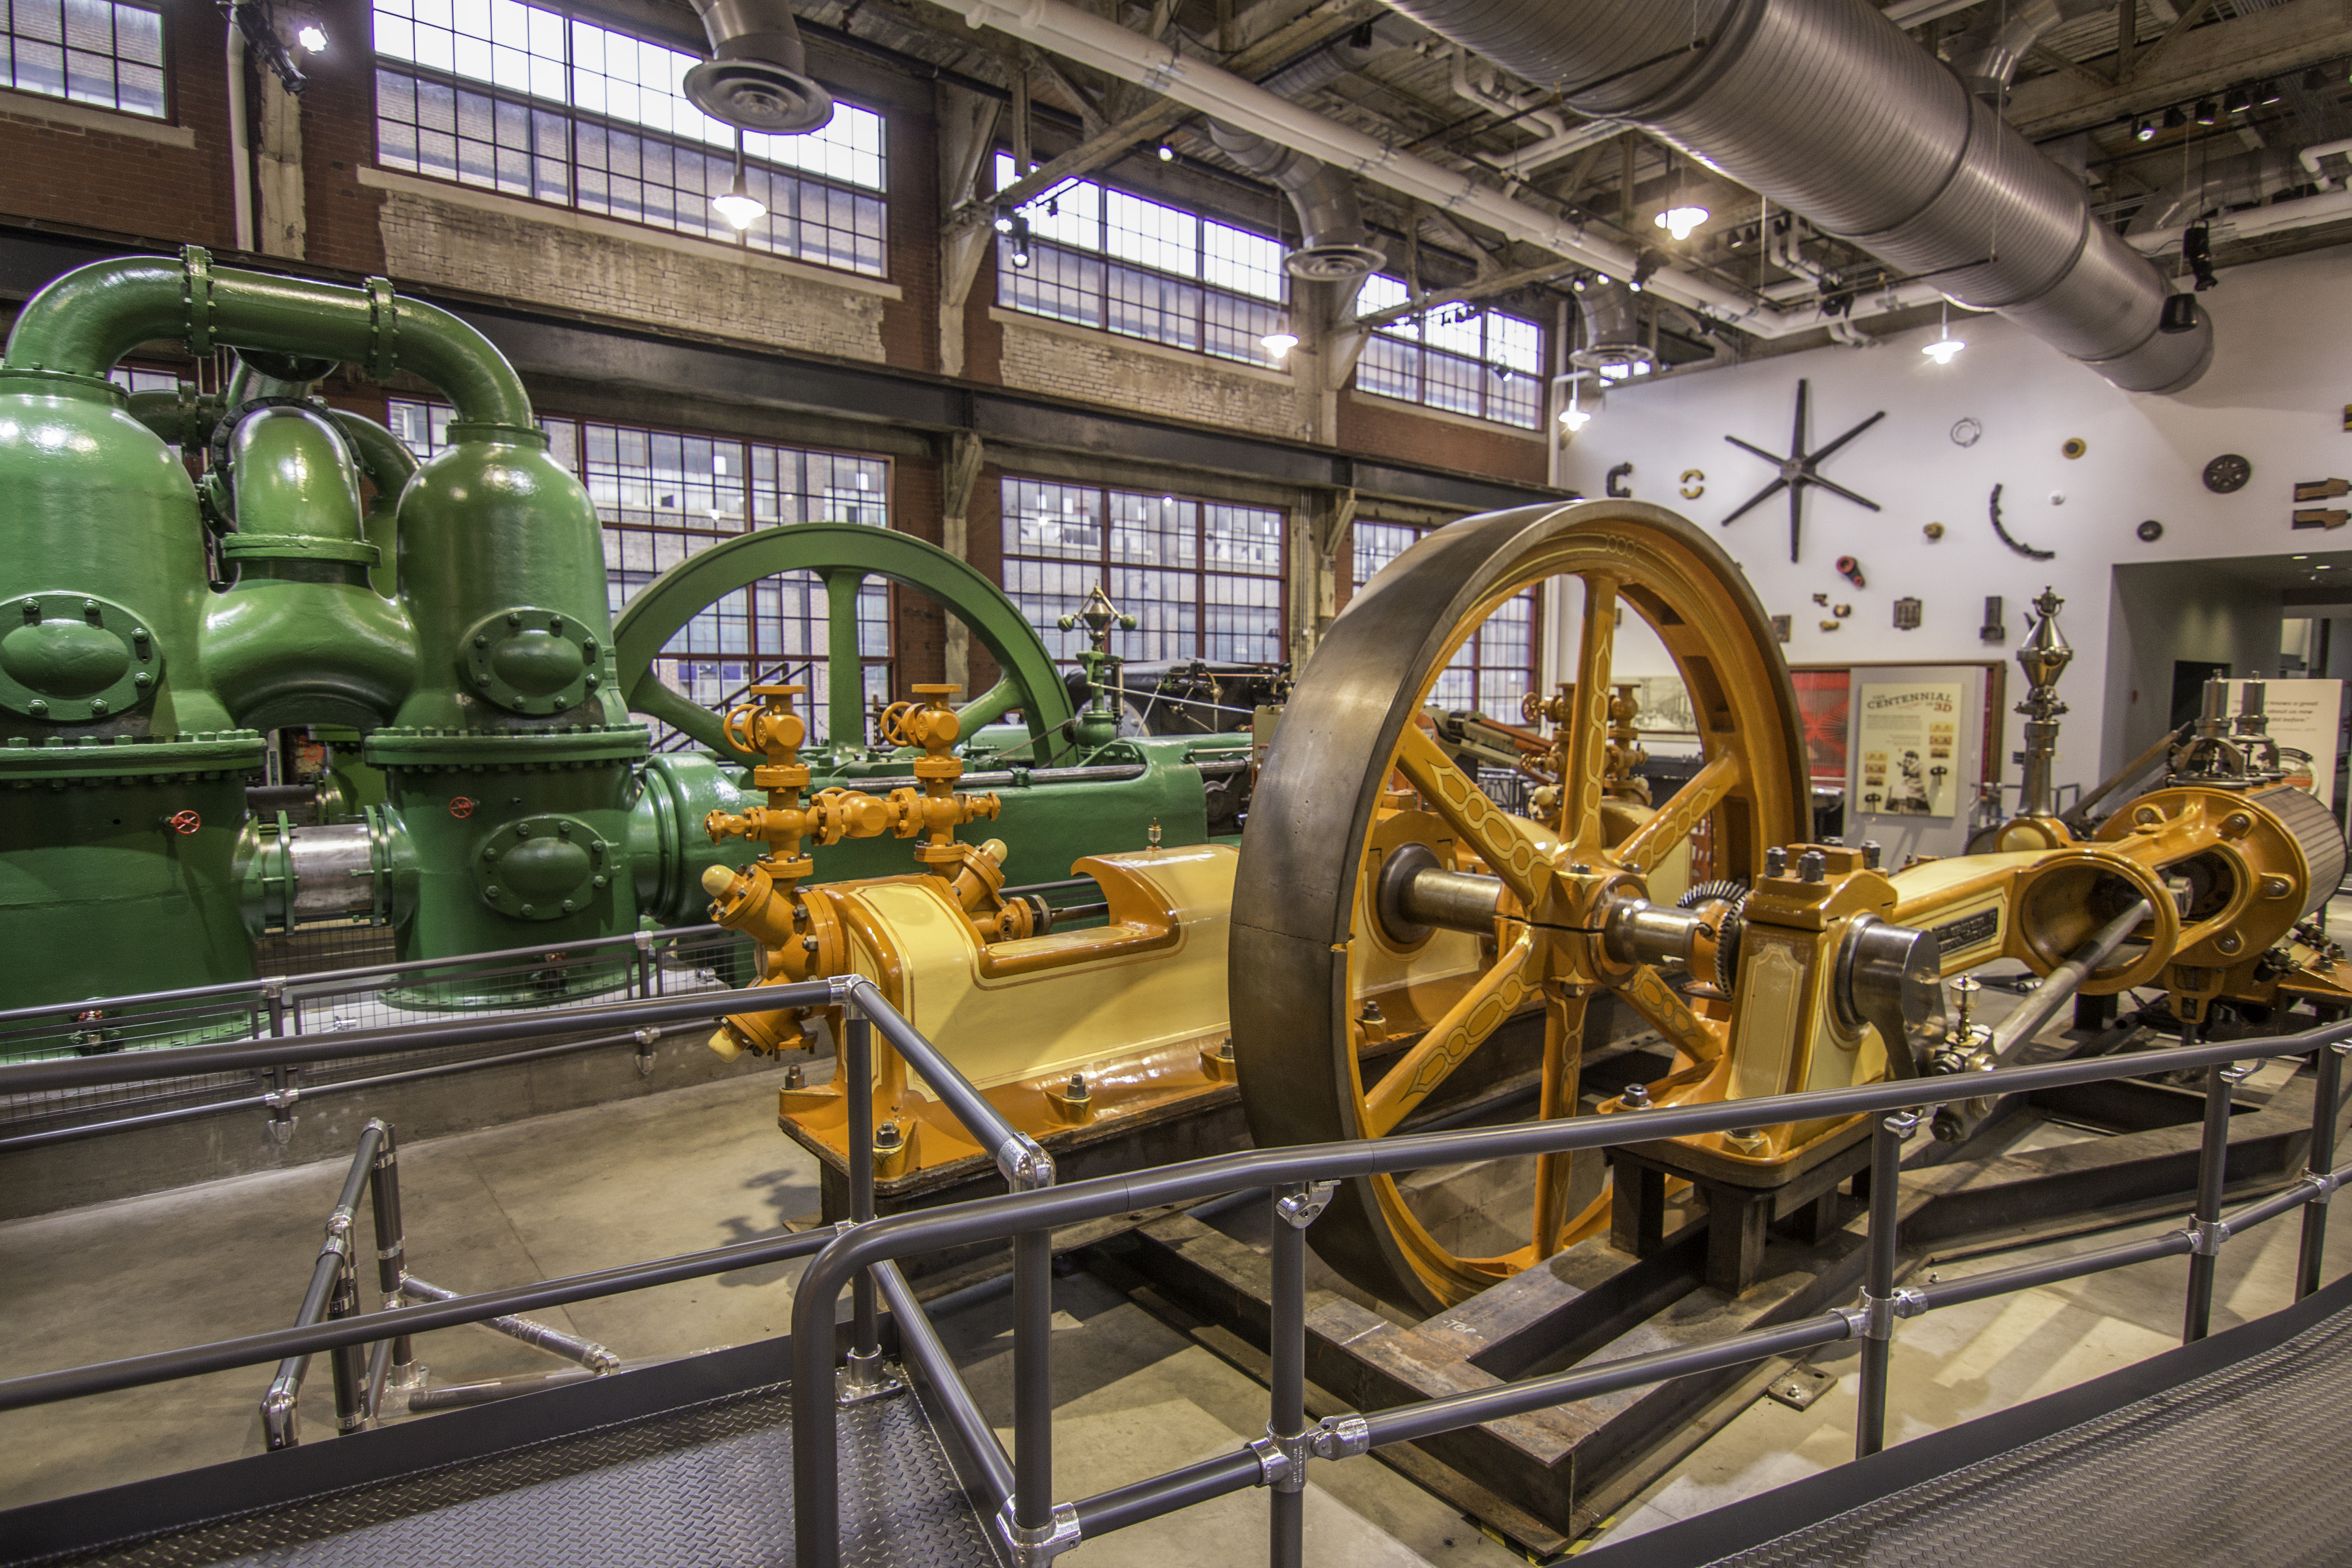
[[708, 1484], [2212, 1471]]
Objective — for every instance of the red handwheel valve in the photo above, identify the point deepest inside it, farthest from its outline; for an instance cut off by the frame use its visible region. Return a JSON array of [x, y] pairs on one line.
[[462, 807], [185, 822]]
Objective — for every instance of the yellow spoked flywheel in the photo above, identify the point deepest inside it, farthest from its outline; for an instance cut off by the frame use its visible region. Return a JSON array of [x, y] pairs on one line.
[[1384, 901]]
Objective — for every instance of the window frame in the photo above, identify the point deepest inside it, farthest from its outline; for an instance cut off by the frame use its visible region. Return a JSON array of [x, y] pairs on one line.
[[1243, 321], [1417, 337], [166, 115], [1105, 564], [689, 211]]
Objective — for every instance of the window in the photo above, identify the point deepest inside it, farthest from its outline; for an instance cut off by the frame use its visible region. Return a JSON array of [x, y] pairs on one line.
[[90, 51], [1497, 666], [664, 495], [130, 378], [525, 101], [1203, 579], [1105, 258], [1457, 357]]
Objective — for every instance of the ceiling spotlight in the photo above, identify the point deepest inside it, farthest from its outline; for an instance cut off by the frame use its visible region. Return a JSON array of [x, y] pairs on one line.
[[1003, 220], [738, 205], [1020, 256], [2174, 118], [2238, 99], [1279, 342], [1645, 267], [1680, 221], [1167, 153], [312, 38], [2314, 81], [1578, 283], [2208, 111], [1575, 418], [1945, 345], [2144, 131]]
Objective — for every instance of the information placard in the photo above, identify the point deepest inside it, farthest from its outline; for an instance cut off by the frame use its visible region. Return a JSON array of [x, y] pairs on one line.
[[1907, 738]]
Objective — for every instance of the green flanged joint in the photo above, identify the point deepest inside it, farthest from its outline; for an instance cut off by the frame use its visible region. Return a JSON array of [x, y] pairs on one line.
[[69, 658], [543, 867], [529, 660]]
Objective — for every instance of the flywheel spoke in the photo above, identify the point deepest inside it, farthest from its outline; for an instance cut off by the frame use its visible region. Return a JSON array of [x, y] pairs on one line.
[[1587, 726], [1679, 817], [1562, 1063], [1667, 1012], [1450, 1041], [1456, 798]]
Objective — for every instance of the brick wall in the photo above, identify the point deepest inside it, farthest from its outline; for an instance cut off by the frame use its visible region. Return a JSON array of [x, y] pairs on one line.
[[1093, 367], [1467, 447]]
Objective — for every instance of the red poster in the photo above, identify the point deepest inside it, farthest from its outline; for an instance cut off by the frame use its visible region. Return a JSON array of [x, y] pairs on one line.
[[1821, 700]]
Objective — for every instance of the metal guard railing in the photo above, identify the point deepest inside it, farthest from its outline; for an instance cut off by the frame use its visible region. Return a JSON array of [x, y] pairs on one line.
[[861, 1254]]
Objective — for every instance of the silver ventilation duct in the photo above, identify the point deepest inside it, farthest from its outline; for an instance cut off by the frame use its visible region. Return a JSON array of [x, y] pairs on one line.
[[1830, 111], [1335, 244], [757, 76], [1986, 57], [1613, 328]]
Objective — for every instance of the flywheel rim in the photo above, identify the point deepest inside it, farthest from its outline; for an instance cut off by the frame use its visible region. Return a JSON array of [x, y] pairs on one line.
[[1296, 908]]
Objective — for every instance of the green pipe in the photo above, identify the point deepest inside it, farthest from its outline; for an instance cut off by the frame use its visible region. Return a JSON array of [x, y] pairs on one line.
[[180, 417], [84, 322], [383, 458]]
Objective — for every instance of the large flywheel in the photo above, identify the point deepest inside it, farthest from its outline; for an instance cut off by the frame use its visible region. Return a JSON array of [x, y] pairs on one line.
[[1382, 896]]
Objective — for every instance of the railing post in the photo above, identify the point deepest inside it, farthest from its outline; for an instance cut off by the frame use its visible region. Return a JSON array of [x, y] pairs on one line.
[[1282, 1454], [1878, 1302], [2207, 1233], [349, 1361], [2328, 1072], [391, 1245], [863, 1375]]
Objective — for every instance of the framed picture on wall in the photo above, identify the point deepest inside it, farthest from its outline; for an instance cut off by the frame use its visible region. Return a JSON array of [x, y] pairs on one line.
[[1825, 701]]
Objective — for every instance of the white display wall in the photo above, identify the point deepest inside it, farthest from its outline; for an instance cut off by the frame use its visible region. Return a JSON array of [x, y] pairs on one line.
[[2276, 394]]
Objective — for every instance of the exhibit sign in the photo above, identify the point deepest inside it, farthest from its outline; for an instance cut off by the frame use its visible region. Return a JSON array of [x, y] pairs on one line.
[[2304, 716], [1907, 737]]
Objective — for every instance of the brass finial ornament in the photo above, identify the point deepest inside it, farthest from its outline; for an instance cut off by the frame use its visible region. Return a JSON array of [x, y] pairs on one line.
[[1098, 725], [2045, 657]]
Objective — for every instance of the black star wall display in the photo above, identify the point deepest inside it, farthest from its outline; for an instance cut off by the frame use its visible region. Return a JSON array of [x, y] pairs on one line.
[[1797, 471]]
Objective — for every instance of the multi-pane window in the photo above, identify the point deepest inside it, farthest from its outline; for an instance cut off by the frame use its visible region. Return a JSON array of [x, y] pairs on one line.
[[1492, 671], [90, 51], [1203, 579], [1101, 258], [525, 101], [1457, 357], [664, 495]]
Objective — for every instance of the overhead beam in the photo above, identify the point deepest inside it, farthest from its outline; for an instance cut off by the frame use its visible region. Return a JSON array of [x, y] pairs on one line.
[[2187, 65], [1484, 288], [1317, 26]]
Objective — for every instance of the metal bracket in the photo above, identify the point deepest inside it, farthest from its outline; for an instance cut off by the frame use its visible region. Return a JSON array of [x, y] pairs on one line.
[[1874, 1318], [280, 1098], [1342, 1437], [2323, 1186], [1301, 1206], [1902, 1123], [384, 330], [1027, 1165], [1031, 1547], [2206, 1236], [1282, 1461], [865, 1377], [196, 264]]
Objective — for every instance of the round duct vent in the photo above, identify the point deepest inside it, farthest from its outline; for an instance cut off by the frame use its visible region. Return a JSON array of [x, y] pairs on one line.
[[755, 95], [1611, 356], [1333, 263]]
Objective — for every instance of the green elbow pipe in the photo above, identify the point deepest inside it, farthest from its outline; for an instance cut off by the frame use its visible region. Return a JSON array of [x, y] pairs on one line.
[[180, 418], [84, 322], [386, 463]]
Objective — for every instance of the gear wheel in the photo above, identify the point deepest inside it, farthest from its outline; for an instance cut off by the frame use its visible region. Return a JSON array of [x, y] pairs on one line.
[[1731, 892]]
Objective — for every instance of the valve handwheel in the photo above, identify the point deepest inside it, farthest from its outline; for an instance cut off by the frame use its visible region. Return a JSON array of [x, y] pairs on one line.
[[1361, 825], [461, 807], [185, 823]]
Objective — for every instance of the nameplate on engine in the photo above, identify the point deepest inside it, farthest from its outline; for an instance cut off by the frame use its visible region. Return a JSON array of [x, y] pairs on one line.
[[1967, 931]]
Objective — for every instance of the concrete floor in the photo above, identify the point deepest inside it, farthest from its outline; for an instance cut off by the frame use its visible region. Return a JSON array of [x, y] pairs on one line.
[[703, 1167]]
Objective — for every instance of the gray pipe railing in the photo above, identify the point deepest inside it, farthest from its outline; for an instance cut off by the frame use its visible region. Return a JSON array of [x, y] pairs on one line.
[[1295, 1184]]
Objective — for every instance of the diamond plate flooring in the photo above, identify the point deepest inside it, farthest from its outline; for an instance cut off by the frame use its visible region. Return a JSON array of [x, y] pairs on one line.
[[2203, 1473], [710, 1484]]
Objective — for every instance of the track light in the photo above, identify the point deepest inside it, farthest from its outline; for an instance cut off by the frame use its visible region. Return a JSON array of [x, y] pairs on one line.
[[2238, 101], [1645, 267], [2267, 94], [2208, 111], [1167, 153], [1578, 283], [1021, 258], [2144, 131], [1003, 220], [2174, 118]]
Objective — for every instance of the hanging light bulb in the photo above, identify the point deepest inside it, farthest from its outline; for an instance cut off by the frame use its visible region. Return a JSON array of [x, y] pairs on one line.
[[738, 205], [1279, 341], [1680, 221], [1575, 418], [1945, 345]]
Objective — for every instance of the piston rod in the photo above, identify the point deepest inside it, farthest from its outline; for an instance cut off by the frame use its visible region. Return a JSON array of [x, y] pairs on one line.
[[2058, 986]]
